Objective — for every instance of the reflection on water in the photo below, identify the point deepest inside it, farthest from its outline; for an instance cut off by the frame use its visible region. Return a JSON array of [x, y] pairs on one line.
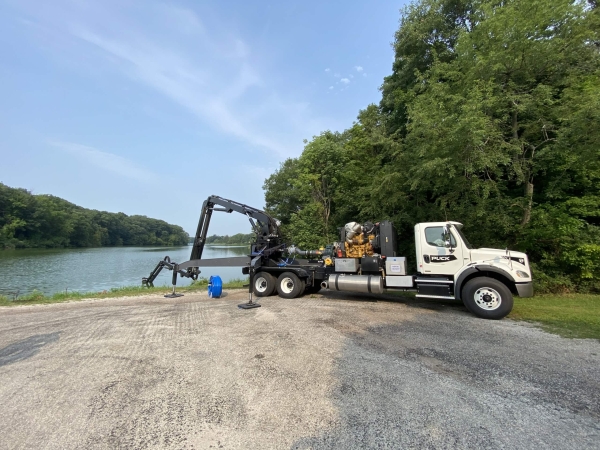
[[98, 269]]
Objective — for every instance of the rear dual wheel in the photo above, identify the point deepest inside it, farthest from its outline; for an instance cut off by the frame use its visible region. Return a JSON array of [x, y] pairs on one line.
[[264, 284], [289, 285]]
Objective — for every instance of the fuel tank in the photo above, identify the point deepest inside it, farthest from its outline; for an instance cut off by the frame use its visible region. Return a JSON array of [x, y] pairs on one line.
[[355, 283]]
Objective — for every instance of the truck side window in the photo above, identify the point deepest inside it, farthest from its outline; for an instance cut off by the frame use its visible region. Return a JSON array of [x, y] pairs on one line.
[[434, 236]]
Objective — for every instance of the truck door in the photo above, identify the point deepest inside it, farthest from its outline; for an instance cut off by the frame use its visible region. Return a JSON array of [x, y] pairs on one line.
[[437, 259]]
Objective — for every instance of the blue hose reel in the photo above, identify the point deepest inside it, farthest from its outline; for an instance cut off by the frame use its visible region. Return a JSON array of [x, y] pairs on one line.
[[215, 286]]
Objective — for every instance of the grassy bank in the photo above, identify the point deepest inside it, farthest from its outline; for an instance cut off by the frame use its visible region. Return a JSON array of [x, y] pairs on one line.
[[37, 297], [569, 315]]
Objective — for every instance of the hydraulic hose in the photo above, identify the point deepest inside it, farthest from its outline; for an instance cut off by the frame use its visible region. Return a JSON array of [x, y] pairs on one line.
[[293, 250]]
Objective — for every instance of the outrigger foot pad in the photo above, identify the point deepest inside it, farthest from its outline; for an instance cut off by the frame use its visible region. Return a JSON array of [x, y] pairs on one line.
[[249, 305], [173, 294]]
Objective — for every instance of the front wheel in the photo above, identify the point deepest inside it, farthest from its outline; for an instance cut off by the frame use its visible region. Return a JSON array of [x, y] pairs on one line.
[[289, 285], [487, 298]]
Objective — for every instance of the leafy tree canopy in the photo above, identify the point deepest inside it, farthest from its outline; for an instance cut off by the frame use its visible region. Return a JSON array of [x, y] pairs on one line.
[[490, 117], [236, 239], [28, 220]]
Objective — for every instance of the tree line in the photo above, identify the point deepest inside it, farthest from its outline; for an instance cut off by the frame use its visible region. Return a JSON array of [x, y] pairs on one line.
[[236, 239], [490, 117], [46, 221]]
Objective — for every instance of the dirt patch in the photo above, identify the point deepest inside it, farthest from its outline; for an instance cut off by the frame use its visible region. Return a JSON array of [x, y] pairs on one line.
[[324, 371]]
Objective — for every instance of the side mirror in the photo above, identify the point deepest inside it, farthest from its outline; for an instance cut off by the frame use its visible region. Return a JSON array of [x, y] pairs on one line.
[[447, 236]]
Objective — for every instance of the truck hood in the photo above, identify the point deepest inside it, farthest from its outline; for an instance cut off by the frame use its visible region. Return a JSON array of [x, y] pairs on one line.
[[498, 256]]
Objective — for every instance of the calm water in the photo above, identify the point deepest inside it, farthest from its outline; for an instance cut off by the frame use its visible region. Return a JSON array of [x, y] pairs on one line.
[[97, 269]]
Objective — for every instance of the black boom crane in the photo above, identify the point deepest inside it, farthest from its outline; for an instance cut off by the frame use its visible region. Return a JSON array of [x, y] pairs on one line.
[[267, 244], [265, 226]]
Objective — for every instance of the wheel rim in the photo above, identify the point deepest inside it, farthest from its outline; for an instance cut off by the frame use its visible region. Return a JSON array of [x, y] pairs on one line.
[[287, 285], [487, 298], [260, 284]]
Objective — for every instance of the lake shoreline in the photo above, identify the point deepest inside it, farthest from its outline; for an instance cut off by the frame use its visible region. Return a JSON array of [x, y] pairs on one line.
[[157, 246], [38, 298], [98, 269]]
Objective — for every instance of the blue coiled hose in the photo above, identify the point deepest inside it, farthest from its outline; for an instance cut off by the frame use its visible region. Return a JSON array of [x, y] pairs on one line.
[[215, 286]]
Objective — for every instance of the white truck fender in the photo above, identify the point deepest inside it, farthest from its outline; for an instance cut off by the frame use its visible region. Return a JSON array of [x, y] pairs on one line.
[[461, 276]]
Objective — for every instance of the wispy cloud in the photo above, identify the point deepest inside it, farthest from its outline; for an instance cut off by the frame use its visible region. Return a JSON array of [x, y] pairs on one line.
[[328, 70], [105, 160], [184, 19], [358, 68], [345, 80], [198, 64], [185, 83]]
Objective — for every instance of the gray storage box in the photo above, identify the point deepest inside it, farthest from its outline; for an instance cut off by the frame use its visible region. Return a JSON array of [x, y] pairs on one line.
[[399, 281], [346, 265], [395, 265]]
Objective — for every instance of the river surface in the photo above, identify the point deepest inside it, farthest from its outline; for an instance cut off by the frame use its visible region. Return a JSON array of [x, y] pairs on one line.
[[98, 269]]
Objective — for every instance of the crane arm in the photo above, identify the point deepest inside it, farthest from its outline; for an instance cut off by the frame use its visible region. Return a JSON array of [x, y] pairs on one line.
[[265, 226], [268, 240]]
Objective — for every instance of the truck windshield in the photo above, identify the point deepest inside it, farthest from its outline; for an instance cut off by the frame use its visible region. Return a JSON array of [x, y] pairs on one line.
[[464, 238]]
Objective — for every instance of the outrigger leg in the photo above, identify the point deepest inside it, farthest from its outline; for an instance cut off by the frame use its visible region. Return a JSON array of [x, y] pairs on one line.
[[174, 281], [250, 303]]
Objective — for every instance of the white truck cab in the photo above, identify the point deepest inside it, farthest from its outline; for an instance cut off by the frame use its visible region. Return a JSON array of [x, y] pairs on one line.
[[485, 279]]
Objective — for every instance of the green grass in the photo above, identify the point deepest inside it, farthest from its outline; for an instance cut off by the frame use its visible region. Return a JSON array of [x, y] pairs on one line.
[[37, 297], [568, 315]]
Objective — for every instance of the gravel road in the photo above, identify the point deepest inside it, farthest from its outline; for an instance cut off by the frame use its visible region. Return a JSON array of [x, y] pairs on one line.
[[324, 371]]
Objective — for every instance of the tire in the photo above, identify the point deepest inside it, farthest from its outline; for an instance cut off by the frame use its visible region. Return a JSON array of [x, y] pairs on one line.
[[289, 285], [264, 284], [487, 298]]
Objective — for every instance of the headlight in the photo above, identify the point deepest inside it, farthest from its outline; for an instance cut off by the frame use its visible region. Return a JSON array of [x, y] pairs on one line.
[[522, 274]]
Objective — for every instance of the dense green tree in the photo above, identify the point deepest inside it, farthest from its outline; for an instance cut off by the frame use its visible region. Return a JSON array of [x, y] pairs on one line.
[[485, 126], [28, 220], [491, 117], [281, 197], [236, 239], [304, 192], [428, 32]]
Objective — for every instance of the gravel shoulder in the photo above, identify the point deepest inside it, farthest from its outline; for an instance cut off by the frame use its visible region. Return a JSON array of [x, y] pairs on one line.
[[325, 371]]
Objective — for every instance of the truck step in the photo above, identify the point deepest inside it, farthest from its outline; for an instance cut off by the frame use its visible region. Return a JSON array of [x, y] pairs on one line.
[[434, 280]]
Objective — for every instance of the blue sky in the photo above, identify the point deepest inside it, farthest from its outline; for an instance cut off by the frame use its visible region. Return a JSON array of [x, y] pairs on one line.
[[148, 107]]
